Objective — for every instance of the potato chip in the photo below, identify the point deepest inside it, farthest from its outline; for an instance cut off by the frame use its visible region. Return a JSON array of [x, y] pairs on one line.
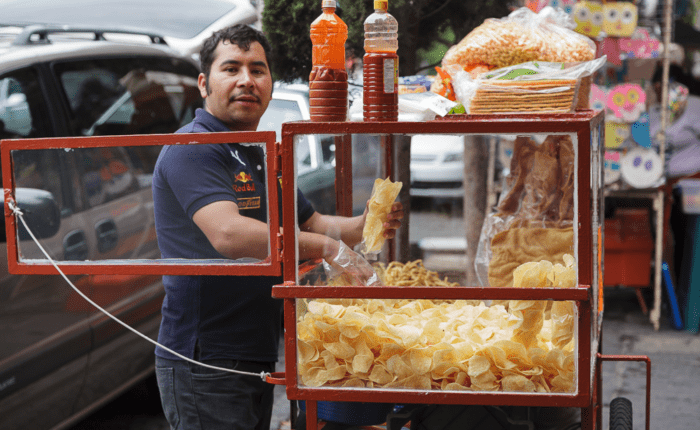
[[353, 383], [562, 316], [340, 350], [517, 383], [398, 366], [382, 198], [380, 375], [415, 382], [363, 359]]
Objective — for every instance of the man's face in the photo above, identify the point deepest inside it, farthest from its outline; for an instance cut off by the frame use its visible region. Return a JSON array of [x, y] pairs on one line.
[[239, 87]]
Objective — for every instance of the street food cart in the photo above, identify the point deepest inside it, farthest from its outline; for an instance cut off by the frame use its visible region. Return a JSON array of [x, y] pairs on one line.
[[313, 300]]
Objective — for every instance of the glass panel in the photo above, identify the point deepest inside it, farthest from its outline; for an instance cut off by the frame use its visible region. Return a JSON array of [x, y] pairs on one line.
[[528, 240], [129, 96], [449, 345], [531, 204], [104, 205]]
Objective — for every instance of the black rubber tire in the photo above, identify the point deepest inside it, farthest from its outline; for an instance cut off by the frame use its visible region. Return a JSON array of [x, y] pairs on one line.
[[620, 414]]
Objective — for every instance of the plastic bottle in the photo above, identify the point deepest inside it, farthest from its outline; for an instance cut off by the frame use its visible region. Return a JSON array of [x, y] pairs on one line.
[[328, 81], [380, 70]]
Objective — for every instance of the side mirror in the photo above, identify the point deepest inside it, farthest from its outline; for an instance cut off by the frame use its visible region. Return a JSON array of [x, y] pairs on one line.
[[40, 211]]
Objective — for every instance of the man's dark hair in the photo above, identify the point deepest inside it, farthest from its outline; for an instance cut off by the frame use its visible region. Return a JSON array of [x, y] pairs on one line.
[[239, 34]]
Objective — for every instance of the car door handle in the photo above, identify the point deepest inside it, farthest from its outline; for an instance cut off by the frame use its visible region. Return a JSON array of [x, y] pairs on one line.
[[75, 246], [107, 236]]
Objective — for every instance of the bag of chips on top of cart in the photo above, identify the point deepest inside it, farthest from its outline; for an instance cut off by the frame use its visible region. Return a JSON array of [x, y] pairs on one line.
[[534, 86], [349, 268]]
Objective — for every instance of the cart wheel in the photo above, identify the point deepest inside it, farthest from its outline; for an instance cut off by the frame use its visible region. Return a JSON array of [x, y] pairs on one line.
[[620, 414]]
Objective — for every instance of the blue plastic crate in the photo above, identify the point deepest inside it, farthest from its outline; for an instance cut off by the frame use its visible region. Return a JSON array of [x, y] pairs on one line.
[[352, 413]]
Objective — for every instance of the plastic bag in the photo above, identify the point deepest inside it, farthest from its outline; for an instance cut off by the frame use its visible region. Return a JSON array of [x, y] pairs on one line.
[[535, 86], [534, 216], [350, 268], [417, 107], [521, 37]]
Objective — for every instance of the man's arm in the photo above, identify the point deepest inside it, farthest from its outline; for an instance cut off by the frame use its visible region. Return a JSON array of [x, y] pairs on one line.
[[236, 236], [349, 229]]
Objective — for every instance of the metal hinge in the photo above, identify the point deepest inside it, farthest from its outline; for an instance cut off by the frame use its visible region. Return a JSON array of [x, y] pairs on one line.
[[277, 164], [280, 245]]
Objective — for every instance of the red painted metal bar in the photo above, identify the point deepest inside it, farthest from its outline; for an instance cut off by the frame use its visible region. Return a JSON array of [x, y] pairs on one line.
[[270, 267], [290, 290], [640, 358], [343, 175]]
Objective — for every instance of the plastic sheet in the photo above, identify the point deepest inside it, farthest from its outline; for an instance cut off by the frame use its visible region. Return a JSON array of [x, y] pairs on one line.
[[350, 268]]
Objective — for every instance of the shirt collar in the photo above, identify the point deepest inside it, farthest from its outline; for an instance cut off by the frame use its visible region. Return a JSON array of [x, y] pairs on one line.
[[209, 121]]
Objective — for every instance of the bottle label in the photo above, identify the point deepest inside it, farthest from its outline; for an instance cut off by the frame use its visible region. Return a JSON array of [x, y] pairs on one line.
[[390, 70]]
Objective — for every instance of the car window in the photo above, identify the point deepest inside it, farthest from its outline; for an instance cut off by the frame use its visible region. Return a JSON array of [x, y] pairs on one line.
[[129, 96], [22, 111]]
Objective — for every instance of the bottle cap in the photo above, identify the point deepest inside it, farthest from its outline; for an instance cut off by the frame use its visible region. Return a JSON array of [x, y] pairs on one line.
[[381, 4], [328, 3]]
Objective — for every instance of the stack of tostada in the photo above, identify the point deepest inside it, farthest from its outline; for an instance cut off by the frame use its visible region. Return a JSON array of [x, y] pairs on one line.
[[532, 96]]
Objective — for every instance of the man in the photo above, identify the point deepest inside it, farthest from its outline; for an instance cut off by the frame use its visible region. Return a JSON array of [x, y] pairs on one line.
[[228, 322]]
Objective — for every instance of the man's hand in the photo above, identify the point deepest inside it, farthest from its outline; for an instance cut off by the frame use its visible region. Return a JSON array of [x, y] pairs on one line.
[[393, 220]]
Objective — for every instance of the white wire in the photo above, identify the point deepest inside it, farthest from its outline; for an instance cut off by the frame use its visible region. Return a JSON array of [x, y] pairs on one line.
[[15, 210]]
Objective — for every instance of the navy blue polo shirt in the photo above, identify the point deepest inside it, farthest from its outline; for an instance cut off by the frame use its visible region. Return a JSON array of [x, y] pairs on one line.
[[228, 317]]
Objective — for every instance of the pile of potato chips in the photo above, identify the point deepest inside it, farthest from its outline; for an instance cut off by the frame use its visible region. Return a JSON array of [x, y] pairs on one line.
[[442, 345]]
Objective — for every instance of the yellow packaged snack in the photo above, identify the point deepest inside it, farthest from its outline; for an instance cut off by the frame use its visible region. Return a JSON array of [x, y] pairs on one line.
[[383, 195]]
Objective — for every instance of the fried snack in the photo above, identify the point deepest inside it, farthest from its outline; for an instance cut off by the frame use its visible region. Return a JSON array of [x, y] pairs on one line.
[[424, 345], [519, 39], [525, 96], [412, 273], [541, 182], [517, 246], [383, 195]]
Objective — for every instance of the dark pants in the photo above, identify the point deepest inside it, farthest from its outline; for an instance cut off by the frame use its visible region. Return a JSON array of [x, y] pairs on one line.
[[199, 398]]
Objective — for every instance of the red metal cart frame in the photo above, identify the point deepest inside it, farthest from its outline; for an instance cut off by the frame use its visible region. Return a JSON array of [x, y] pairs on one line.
[[588, 129]]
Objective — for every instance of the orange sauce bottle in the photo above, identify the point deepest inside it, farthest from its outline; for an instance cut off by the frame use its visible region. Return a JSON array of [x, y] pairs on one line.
[[328, 81]]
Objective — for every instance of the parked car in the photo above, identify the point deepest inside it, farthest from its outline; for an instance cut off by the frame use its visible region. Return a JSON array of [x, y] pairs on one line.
[[182, 24], [437, 166], [60, 359]]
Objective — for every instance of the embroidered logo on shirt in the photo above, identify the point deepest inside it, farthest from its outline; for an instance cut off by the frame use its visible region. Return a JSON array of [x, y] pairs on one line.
[[249, 203], [235, 155], [244, 183]]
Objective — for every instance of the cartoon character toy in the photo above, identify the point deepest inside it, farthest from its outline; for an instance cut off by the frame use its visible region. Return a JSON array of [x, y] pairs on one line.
[[627, 101], [589, 18], [566, 5], [640, 45], [619, 19]]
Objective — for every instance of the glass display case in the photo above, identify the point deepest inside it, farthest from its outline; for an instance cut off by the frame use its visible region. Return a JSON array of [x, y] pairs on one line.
[[526, 332]]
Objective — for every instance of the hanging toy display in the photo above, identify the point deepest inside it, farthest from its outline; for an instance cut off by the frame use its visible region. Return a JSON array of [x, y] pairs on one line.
[[612, 167], [641, 168], [588, 16], [640, 131], [619, 19], [640, 45], [616, 133], [627, 101], [598, 97]]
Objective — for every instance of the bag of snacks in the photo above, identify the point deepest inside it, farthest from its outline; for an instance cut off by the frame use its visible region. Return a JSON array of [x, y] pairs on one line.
[[521, 37], [535, 86]]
